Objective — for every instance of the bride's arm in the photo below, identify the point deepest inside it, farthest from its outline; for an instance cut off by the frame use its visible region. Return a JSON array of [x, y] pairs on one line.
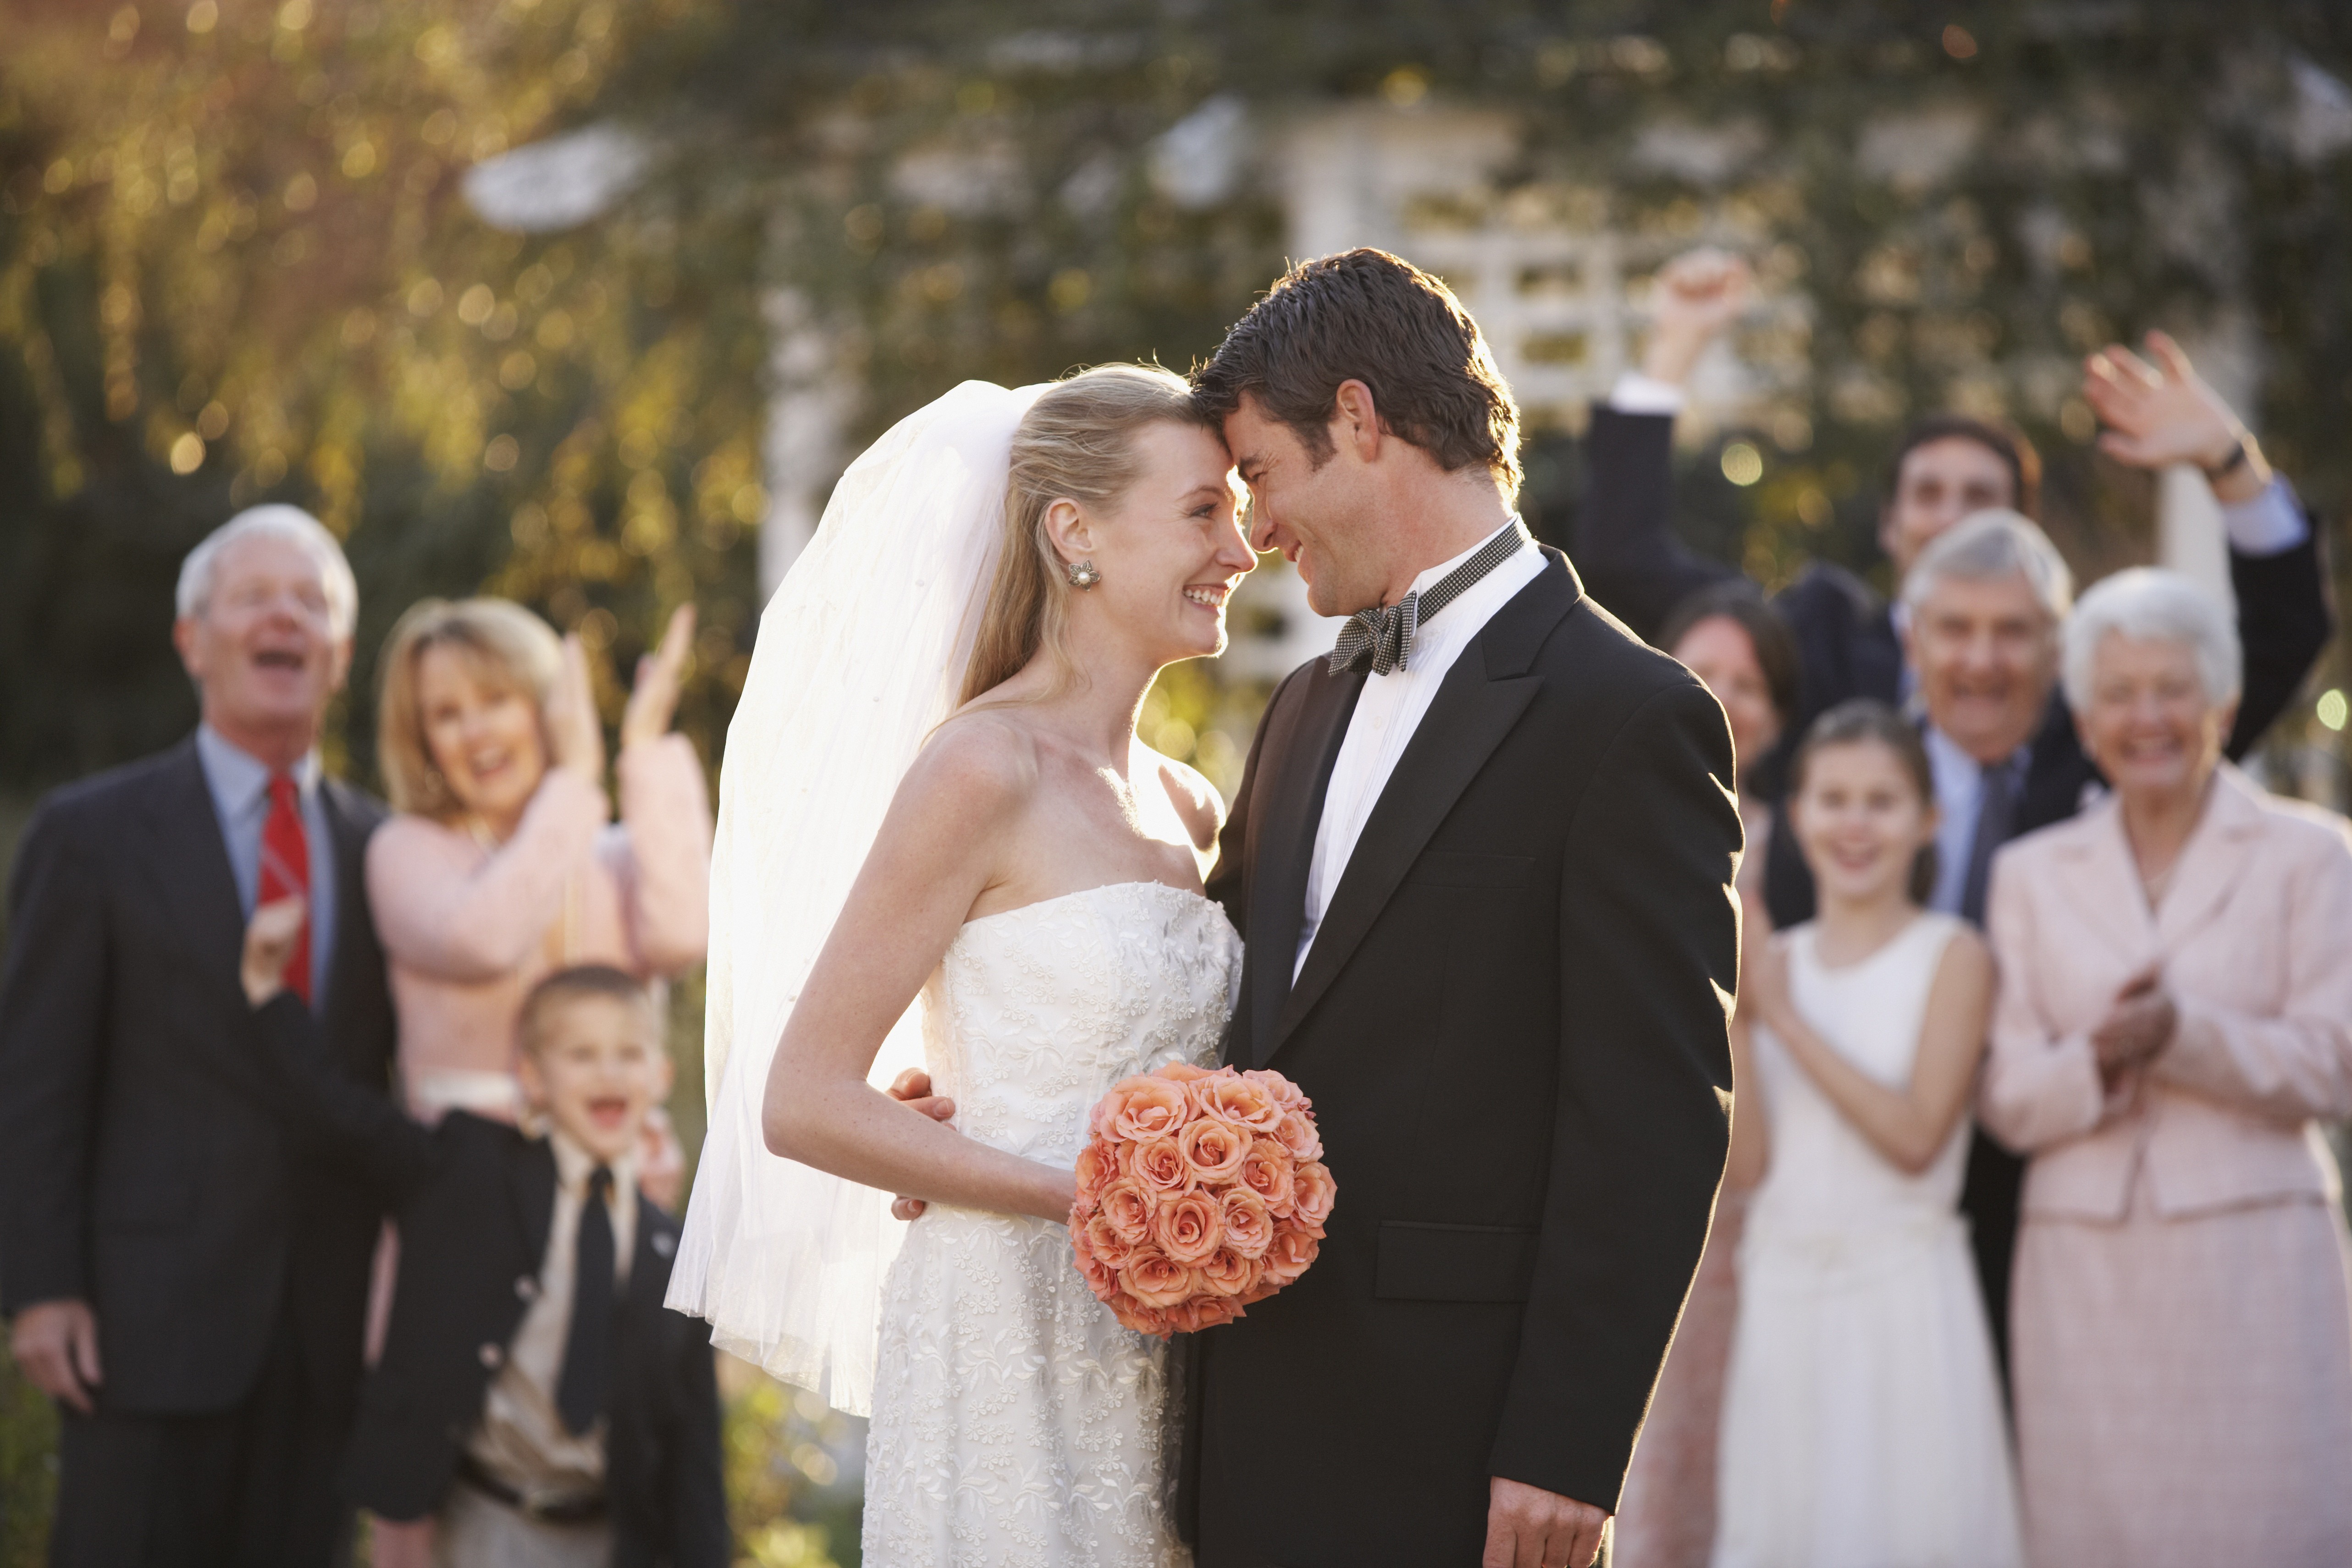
[[947, 833]]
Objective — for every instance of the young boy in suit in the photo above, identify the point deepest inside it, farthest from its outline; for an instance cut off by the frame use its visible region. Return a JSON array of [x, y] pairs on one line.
[[534, 1394]]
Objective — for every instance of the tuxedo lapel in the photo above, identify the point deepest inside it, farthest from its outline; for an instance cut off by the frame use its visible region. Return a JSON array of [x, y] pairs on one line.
[[189, 864], [1283, 847], [1481, 698]]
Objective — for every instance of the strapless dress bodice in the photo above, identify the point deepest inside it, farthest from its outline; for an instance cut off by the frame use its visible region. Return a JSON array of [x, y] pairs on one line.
[[1034, 1013]]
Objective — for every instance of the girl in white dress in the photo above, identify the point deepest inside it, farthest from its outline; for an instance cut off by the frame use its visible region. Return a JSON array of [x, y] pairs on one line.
[[1862, 1423]]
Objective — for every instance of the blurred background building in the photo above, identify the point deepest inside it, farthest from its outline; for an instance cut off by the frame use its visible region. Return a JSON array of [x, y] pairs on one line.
[[588, 304]]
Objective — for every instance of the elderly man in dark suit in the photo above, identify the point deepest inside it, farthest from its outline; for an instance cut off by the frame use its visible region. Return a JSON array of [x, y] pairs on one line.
[[187, 1287]]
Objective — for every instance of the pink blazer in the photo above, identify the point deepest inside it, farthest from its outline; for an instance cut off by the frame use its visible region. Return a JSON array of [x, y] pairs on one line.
[[470, 927], [2254, 937]]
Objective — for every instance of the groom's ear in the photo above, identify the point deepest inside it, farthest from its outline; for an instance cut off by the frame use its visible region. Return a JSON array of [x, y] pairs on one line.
[[1356, 421]]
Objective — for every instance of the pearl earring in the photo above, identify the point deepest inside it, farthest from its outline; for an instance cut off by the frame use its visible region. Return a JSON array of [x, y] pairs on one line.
[[1083, 574]]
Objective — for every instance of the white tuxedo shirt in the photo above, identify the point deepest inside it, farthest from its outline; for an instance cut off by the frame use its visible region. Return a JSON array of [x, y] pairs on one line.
[[1391, 709]]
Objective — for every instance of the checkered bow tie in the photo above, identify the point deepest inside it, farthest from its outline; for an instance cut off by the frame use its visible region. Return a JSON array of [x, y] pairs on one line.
[[1381, 639]]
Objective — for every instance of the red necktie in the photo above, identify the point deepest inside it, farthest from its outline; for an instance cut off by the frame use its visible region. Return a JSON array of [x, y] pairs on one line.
[[286, 871]]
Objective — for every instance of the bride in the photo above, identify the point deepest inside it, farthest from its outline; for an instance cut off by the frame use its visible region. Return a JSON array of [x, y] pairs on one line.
[[937, 823]]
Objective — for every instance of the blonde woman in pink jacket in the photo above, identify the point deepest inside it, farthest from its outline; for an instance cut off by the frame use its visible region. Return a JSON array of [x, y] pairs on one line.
[[2175, 1015], [503, 862]]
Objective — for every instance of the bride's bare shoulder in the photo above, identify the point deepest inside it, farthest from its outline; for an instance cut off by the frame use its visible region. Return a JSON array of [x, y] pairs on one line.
[[979, 759], [1196, 800]]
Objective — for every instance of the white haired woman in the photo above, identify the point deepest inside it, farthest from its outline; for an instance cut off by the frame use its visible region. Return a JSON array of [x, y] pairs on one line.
[[2176, 1012]]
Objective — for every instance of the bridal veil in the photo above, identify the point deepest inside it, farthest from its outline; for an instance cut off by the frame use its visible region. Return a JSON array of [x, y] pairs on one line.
[[860, 654]]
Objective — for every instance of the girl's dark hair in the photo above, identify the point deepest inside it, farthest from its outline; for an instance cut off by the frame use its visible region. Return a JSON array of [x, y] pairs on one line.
[[1744, 605], [1864, 720]]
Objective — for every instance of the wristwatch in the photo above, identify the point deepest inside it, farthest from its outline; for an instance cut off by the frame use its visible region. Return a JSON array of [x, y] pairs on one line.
[[2229, 465]]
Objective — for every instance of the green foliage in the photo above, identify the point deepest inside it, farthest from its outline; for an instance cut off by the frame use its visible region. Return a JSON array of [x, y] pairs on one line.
[[782, 1477], [29, 1467]]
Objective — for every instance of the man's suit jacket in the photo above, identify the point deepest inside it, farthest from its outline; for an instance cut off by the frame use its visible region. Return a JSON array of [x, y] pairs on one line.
[[1512, 1023], [1846, 642], [140, 1166], [475, 1199]]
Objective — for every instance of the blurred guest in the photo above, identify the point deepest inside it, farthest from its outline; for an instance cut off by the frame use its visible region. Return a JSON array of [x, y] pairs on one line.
[[504, 863], [1849, 639], [2176, 1012], [575, 1423], [1738, 644], [1861, 1418], [185, 1285]]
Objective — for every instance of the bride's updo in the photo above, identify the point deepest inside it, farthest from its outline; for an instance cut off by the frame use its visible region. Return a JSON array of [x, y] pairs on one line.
[[1076, 443]]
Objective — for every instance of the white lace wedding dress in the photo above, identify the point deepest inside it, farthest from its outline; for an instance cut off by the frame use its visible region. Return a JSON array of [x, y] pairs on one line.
[[1015, 1424]]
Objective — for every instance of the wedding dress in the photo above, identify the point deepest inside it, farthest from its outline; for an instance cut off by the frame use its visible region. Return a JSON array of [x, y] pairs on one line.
[[1017, 1425]]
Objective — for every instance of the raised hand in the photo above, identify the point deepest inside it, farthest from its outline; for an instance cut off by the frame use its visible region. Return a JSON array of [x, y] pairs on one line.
[[575, 734], [913, 1089], [653, 701], [1698, 295], [269, 938], [2163, 413]]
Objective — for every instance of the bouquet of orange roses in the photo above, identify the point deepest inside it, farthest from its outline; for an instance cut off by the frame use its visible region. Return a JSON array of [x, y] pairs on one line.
[[1199, 1192]]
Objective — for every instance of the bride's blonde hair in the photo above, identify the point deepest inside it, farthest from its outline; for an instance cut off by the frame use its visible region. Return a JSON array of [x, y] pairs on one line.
[[1076, 443]]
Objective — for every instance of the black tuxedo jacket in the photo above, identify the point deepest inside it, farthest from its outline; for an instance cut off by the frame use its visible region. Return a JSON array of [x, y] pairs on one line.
[[1512, 1023], [1846, 641], [475, 1200], [141, 1168]]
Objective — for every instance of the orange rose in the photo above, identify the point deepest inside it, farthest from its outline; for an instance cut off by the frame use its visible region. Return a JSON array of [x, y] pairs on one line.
[[1126, 1207], [1288, 1258], [1214, 1148], [1180, 1072], [1100, 1277], [1266, 1286], [1312, 1193], [1297, 1133], [1097, 1167], [1138, 1108], [1229, 1097], [1249, 1225], [1103, 1239], [1160, 1166], [1135, 1315], [1188, 1226], [1267, 1173], [1285, 1093], [1226, 1272], [1156, 1279], [1204, 1313]]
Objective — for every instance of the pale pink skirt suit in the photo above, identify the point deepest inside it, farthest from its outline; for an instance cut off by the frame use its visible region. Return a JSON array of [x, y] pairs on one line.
[[471, 926], [2181, 1332]]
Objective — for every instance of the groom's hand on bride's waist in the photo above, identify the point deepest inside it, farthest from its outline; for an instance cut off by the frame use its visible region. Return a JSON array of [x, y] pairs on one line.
[[913, 1089], [1528, 1527]]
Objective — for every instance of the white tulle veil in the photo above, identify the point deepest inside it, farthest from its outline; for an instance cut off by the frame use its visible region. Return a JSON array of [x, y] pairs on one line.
[[860, 654]]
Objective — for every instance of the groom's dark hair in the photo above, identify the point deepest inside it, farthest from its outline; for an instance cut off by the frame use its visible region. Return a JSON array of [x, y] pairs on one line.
[[1365, 315]]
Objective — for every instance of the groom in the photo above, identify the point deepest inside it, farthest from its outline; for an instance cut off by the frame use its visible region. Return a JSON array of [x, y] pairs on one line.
[[1482, 856]]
